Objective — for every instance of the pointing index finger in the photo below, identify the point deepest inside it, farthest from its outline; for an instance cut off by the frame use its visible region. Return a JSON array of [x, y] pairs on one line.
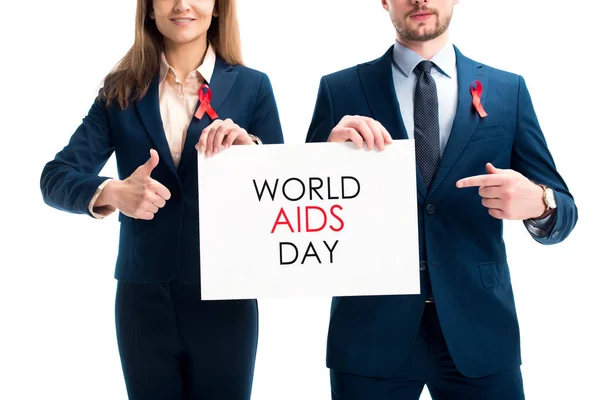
[[480, 180]]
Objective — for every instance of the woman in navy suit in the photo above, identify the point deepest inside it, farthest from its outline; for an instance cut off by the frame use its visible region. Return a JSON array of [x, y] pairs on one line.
[[180, 89]]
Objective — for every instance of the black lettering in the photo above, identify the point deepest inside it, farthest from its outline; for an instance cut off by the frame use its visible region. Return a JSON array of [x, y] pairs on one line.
[[266, 184], [281, 262], [343, 187], [330, 250], [329, 196], [285, 185], [315, 189], [313, 254]]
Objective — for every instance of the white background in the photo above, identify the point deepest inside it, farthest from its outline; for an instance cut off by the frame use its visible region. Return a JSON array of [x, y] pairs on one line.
[[57, 296]]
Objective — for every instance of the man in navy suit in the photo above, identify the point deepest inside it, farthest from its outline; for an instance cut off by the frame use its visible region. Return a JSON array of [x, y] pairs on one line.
[[481, 158]]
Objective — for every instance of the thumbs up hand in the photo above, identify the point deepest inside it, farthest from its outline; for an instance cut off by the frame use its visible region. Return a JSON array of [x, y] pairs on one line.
[[148, 167], [139, 196], [506, 193]]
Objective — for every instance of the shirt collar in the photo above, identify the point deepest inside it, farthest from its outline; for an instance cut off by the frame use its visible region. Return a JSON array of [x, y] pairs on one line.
[[407, 60], [205, 69]]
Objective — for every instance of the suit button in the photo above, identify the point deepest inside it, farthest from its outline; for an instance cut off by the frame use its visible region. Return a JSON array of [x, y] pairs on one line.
[[423, 265], [430, 209]]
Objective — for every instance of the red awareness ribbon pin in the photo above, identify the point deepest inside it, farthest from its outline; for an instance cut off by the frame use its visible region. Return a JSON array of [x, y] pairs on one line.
[[476, 89], [205, 107]]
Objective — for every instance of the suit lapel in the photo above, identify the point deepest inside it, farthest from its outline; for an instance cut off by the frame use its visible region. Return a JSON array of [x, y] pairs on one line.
[[221, 83], [466, 119], [378, 86], [149, 110]]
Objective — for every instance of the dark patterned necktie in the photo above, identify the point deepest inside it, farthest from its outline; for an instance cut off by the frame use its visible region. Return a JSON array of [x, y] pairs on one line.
[[427, 125]]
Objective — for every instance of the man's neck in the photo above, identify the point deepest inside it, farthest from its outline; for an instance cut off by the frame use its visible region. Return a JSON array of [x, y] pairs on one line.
[[426, 49], [185, 58]]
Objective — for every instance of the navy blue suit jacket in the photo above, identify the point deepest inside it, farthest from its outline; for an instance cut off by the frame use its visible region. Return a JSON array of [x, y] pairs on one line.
[[167, 247], [461, 246]]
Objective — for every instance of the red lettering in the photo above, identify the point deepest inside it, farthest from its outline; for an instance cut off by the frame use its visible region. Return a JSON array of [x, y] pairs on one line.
[[287, 221], [282, 219], [336, 217], [308, 228]]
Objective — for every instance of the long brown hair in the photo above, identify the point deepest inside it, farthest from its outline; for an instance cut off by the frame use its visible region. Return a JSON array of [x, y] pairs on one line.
[[129, 81]]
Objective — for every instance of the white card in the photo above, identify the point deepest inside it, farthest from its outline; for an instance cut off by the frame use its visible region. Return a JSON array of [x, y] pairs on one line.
[[360, 237]]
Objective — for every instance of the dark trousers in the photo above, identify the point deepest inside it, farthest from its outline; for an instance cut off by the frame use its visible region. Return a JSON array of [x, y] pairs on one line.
[[174, 346], [428, 364]]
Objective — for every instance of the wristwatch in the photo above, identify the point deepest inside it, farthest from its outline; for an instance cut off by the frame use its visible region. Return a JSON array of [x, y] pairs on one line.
[[549, 201]]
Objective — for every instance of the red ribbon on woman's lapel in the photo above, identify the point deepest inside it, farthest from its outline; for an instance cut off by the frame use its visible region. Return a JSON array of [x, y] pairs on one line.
[[476, 89], [205, 107]]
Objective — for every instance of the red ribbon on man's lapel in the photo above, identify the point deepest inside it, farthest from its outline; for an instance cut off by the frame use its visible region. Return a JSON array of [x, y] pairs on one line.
[[476, 90], [205, 107]]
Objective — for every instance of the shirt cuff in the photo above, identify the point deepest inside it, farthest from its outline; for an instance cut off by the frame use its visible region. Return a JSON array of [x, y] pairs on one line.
[[104, 211]]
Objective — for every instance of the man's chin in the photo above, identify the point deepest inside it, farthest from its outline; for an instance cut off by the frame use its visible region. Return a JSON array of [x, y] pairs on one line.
[[421, 34]]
